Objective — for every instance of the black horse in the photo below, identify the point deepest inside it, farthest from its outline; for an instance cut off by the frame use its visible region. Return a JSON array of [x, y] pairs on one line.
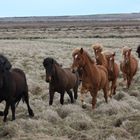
[[138, 51], [13, 88], [60, 80]]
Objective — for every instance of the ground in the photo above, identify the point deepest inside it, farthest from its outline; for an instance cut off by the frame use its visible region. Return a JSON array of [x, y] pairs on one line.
[[27, 46]]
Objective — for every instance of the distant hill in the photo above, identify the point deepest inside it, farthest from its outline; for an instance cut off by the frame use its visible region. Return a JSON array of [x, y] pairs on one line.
[[98, 17]]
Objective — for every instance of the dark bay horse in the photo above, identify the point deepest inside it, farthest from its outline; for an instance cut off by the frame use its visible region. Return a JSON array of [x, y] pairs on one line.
[[129, 65], [94, 77], [13, 88], [60, 80]]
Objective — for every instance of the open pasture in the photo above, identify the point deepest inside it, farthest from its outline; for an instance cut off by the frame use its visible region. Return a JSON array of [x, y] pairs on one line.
[[27, 47]]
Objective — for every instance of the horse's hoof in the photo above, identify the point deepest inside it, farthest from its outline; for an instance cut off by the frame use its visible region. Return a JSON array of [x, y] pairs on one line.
[[84, 106], [31, 113]]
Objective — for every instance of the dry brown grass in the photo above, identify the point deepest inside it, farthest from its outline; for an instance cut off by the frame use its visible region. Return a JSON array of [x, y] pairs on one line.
[[117, 120]]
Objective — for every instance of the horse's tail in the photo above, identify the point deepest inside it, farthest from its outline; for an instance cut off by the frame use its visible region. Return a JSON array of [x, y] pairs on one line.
[[22, 98]]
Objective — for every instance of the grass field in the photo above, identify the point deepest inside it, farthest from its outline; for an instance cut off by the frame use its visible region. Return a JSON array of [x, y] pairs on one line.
[[27, 47]]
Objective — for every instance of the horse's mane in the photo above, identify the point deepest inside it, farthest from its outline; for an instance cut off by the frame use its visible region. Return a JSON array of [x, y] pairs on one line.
[[97, 46], [55, 62], [88, 56]]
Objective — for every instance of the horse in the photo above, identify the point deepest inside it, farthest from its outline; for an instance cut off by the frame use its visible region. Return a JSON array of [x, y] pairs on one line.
[[60, 80], [138, 51], [113, 71], [129, 65], [106, 58], [94, 77], [100, 57], [13, 88]]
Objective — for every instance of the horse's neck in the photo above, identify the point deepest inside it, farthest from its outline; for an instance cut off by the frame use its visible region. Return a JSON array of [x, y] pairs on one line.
[[103, 60], [89, 69], [57, 72]]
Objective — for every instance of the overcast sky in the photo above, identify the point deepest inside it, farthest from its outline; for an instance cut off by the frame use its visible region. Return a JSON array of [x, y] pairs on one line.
[[16, 8]]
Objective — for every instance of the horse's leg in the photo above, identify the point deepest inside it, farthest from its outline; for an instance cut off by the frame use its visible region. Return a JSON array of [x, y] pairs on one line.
[[82, 93], [62, 97], [105, 90], [114, 86], [1, 113], [128, 81], [6, 111], [51, 97], [70, 95], [94, 96], [26, 98], [13, 110], [75, 92]]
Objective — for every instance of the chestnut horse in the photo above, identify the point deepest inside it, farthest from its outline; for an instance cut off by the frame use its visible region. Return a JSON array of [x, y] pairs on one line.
[[94, 77], [107, 60], [100, 57], [113, 71], [128, 66]]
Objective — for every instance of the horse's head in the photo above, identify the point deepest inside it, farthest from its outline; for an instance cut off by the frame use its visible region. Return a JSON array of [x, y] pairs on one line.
[[126, 55], [97, 51], [111, 59], [48, 64], [78, 59]]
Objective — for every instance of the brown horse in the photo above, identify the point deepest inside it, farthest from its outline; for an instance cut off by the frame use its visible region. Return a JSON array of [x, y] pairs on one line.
[[60, 80], [106, 59], [113, 71], [100, 57], [13, 88], [94, 77], [128, 66]]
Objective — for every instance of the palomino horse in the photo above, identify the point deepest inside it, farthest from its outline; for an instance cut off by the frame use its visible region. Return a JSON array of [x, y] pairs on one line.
[[106, 59], [128, 66], [94, 77]]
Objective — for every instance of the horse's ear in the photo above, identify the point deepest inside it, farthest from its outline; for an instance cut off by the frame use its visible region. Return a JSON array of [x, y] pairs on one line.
[[81, 50], [130, 49]]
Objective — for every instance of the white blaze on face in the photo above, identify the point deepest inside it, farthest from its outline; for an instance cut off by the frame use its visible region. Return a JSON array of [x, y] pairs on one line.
[[76, 56], [111, 59]]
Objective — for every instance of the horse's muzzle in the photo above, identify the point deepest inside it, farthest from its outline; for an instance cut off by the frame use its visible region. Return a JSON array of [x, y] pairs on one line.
[[74, 69], [48, 79]]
